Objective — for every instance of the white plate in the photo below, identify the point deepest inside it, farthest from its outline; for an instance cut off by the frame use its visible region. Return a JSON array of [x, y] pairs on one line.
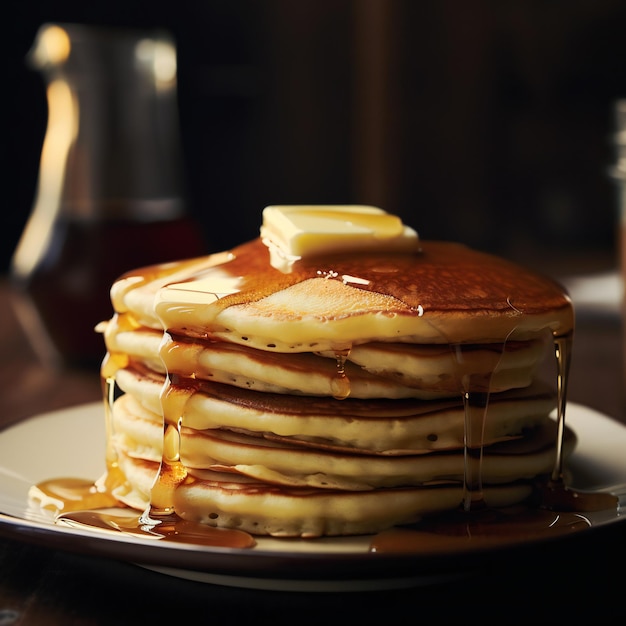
[[70, 443]]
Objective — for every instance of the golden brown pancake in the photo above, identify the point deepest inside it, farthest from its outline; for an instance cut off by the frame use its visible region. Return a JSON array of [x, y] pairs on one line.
[[305, 463], [378, 426], [375, 370], [444, 293], [330, 393]]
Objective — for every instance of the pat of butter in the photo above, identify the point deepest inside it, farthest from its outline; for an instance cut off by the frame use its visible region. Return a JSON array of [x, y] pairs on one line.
[[294, 232]]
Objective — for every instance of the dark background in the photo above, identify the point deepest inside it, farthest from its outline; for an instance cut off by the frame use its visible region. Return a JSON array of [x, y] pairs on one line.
[[483, 121]]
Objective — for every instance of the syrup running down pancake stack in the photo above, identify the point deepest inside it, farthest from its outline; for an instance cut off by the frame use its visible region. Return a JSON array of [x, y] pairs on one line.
[[335, 376]]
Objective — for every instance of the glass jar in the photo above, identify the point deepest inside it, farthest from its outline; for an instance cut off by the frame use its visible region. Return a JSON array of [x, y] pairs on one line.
[[110, 193]]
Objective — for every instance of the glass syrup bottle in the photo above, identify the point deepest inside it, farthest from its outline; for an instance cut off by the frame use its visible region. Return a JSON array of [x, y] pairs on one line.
[[110, 194]]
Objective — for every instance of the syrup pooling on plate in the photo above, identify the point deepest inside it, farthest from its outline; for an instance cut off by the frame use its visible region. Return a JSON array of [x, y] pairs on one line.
[[71, 494], [488, 528], [168, 528]]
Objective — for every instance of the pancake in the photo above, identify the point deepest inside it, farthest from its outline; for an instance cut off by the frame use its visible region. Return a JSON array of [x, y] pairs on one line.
[[444, 293], [283, 461], [369, 426], [375, 370], [234, 501], [330, 381]]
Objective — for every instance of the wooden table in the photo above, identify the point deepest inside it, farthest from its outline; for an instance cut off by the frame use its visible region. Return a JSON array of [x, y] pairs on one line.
[[580, 579]]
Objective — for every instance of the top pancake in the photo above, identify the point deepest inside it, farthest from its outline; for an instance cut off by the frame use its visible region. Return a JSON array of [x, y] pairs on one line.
[[443, 293]]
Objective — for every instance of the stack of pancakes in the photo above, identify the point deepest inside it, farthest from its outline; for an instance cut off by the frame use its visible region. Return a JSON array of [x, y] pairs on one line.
[[340, 393]]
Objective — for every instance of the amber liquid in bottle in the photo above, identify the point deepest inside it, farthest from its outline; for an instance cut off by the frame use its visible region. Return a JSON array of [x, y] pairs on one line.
[[110, 194], [69, 289]]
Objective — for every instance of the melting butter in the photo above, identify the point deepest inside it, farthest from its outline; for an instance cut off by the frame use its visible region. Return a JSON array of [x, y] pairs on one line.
[[294, 232]]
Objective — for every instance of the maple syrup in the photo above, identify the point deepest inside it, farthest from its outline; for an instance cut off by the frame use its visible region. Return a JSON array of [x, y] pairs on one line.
[[466, 531], [166, 528], [68, 291]]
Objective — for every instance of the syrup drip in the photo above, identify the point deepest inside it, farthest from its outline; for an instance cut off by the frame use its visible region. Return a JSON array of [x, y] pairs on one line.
[[109, 392], [555, 495], [475, 395], [563, 354], [340, 384], [475, 405], [171, 471]]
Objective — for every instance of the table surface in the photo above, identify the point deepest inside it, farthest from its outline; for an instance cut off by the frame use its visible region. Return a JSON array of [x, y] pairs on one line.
[[580, 579]]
